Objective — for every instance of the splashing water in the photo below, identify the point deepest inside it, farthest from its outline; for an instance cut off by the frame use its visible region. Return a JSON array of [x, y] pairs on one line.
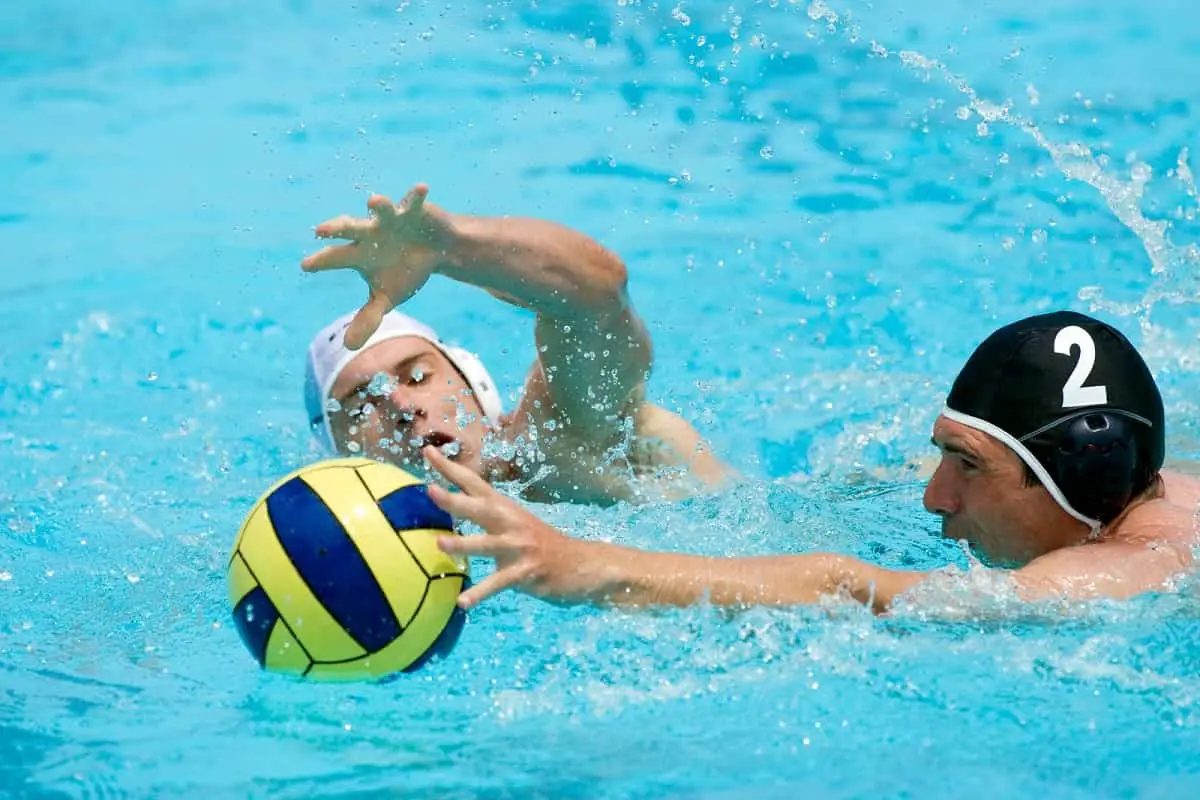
[[1174, 267], [1170, 263], [382, 385]]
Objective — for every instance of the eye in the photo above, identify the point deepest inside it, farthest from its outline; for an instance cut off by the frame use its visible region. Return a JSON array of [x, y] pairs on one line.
[[418, 374]]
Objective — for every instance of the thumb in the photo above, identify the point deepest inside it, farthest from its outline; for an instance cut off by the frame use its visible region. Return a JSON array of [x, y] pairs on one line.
[[367, 320]]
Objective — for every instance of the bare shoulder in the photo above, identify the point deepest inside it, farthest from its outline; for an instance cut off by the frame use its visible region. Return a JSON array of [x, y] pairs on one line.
[[1116, 568], [1144, 550], [645, 453], [663, 438], [1170, 518]]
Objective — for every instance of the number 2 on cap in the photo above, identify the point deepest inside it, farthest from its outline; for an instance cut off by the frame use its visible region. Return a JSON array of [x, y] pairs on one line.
[[1074, 393]]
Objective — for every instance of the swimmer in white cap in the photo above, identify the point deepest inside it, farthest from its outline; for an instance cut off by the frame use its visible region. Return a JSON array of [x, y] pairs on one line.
[[381, 384], [1052, 442]]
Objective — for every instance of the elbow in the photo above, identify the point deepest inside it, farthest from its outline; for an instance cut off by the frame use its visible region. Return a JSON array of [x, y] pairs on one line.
[[607, 291]]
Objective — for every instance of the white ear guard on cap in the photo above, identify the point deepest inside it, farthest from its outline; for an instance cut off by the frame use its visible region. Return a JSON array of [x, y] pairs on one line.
[[328, 356]]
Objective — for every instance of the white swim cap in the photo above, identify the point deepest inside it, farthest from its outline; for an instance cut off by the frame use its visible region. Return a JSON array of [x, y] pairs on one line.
[[328, 356]]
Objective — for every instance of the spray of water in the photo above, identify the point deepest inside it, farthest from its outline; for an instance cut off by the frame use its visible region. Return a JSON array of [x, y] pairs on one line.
[[1173, 266]]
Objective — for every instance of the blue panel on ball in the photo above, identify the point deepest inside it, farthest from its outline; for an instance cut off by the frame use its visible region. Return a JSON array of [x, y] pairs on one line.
[[255, 617], [327, 559], [448, 637], [410, 508]]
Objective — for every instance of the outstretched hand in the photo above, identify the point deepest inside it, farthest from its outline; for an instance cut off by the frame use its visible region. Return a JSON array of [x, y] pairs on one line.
[[395, 250], [530, 555]]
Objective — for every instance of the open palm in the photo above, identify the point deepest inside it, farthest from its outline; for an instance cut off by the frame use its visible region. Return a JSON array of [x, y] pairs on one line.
[[395, 250]]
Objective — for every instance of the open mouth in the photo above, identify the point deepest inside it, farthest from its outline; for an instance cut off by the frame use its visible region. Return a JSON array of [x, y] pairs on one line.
[[442, 441]]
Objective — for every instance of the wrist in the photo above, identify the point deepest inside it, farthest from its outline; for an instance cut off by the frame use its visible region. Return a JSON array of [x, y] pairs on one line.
[[461, 248], [599, 572]]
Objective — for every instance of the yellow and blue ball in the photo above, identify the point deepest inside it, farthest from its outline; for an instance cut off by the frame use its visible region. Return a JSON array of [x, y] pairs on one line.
[[336, 574]]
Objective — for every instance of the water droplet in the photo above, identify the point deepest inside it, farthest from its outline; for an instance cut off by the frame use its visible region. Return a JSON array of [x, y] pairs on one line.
[[451, 449], [381, 385], [151, 376], [353, 447], [767, 152], [5, 575]]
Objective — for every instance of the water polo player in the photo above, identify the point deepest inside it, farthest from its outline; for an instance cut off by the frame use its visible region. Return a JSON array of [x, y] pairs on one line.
[[1052, 444], [384, 385]]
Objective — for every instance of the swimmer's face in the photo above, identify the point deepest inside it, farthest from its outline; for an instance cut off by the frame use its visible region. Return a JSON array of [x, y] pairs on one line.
[[400, 395], [979, 491]]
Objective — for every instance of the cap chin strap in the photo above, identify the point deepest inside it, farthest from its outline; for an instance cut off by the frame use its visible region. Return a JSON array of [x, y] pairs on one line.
[[1022, 451]]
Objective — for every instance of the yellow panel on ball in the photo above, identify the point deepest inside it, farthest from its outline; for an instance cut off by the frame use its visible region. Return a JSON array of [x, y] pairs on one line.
[[323, 636], [383, 479], [239, 581], [284, 653], [424, 546]]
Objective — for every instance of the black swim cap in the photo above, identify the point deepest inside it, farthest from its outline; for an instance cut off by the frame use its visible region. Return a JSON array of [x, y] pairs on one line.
[[1030, 383]]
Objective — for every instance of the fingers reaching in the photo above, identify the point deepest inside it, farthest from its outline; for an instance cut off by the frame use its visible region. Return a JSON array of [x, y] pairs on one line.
[[479, 545], [456, 504], [460, 476], [415, 199], [344, 227], [497, 582], [367, 321], [338, 256], [382, 207]]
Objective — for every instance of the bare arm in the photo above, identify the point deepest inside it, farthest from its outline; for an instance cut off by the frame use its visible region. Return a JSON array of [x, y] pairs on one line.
[[637, 578], [536, 558], [623, 576], [593, 351]]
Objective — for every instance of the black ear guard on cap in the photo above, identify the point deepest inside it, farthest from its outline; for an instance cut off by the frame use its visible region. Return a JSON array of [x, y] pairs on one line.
[[1095, 460]]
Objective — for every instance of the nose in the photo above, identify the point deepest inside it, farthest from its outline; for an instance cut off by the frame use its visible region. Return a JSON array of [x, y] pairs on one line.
[[941, 497], [404, 400]]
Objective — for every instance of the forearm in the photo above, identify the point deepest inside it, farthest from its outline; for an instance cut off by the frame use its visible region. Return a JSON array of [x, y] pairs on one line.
[[609, 574], [538, 264]]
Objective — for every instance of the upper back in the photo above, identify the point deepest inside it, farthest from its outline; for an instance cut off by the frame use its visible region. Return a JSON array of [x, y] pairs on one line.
[[1169, 517]]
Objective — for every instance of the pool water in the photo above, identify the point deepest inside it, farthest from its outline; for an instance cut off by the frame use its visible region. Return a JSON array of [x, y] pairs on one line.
[[823, 206]]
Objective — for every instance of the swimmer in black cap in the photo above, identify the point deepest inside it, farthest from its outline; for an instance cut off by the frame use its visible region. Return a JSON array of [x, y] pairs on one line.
[[1052, 448]]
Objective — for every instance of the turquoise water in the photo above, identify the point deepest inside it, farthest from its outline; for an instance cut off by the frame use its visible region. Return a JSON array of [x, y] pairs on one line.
[[823, 208]]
